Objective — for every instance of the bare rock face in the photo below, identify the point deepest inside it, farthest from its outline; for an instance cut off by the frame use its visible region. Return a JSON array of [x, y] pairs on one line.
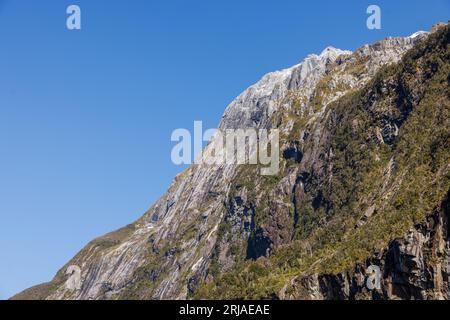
[[215, 219]]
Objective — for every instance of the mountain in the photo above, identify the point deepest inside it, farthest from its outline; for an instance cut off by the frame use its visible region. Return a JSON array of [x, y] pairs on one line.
[[364, 181]]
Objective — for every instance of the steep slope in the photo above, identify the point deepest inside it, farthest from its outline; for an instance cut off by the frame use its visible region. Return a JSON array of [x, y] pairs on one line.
[[371, 189], [365, 143]]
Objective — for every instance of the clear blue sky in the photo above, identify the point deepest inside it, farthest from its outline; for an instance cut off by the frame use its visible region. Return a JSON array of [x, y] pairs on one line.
[[86, 116]]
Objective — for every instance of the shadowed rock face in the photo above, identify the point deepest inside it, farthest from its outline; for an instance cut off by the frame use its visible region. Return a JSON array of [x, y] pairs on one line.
[[345, 119]]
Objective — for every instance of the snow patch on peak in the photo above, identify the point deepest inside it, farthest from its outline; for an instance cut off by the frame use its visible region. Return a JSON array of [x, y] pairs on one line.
[[417, 34], [333, 52], [261, 99], [268, 82], [328, 52]]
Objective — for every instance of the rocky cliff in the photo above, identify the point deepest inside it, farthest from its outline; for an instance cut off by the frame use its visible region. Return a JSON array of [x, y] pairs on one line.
[[364, 181]]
